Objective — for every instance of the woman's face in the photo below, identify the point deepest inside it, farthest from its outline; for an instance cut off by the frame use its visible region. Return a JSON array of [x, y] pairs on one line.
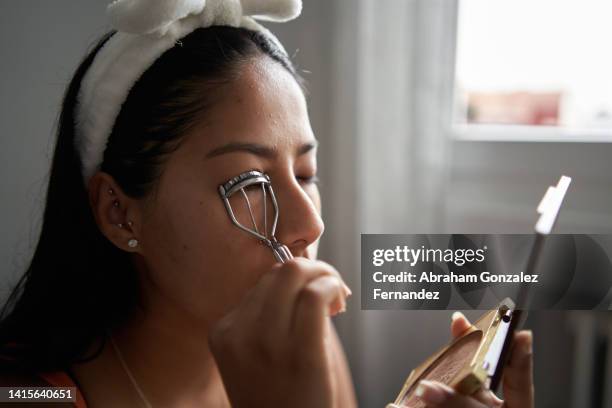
[[193, 256]]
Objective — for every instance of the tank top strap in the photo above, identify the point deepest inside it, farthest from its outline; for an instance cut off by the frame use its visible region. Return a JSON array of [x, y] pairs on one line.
[[62, 379]]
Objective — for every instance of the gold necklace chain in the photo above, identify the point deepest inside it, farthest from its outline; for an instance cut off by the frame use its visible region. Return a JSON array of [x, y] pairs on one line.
[[144, 399]]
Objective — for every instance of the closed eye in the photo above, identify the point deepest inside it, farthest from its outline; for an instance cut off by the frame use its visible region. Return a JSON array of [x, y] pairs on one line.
[[309, 180]]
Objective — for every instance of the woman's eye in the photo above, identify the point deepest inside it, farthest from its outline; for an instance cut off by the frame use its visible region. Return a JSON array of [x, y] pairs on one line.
[[308, 180]]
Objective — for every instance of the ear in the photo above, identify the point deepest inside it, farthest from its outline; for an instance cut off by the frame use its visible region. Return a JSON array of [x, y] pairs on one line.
[[118, 216]]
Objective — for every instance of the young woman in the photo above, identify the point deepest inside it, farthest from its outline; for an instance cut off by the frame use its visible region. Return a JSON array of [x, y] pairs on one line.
[[141, 291]]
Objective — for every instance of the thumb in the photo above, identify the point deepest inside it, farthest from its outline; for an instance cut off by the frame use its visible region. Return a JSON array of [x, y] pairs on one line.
[[459, 324]]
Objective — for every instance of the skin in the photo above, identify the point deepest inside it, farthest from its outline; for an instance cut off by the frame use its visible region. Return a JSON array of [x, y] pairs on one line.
[[223, 322]]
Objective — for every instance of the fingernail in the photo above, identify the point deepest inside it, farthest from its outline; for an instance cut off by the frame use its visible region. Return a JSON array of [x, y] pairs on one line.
[[347, 290], [456, 315], [337, 312], [335, 308], [430, 392], [342, 306], [497, 401]]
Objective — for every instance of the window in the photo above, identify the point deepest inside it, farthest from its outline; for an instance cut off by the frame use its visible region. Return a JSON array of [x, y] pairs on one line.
[[534, 70]]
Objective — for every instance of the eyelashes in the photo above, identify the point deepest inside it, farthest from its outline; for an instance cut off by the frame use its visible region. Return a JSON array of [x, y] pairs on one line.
[[309, 180]]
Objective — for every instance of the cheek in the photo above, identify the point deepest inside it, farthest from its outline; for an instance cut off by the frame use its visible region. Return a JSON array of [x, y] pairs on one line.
[[198, 258], [179, 229]]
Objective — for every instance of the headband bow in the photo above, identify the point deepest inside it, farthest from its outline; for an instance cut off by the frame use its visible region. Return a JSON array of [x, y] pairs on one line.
[[157, 16]]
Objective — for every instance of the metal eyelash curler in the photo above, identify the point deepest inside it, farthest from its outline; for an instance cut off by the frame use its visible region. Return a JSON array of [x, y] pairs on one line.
[[250, 180]]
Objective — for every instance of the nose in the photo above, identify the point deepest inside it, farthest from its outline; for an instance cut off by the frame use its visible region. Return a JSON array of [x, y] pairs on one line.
[[299, 222]]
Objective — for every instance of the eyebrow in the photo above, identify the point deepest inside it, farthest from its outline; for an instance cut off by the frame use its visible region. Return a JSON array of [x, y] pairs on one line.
[[264, 151]]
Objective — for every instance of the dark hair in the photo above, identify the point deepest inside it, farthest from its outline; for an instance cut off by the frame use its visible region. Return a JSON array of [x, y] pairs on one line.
[[78, 283]]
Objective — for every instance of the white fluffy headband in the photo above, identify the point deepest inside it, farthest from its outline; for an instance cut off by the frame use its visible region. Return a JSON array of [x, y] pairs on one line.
[[145, 30]]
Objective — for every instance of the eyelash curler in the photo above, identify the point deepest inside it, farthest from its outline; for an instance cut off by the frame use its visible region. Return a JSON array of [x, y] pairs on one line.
[[253, 180]]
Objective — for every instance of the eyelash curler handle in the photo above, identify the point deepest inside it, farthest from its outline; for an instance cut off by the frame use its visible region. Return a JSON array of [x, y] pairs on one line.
[[281, 252]]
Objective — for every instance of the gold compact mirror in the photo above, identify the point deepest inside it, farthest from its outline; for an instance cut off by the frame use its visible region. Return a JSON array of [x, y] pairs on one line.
[[471, 361], [476, 359]]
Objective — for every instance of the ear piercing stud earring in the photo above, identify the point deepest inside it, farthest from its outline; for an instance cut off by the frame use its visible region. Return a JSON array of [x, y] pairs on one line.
[[132, 243]]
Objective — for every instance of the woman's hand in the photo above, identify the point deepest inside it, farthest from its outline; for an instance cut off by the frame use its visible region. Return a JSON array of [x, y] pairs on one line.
[[273, 349], [517, 378]]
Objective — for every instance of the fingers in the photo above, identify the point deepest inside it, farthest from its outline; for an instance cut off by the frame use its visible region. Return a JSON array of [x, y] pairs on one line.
[[264, 320], [459, 324], [438, 395], [261, 367], [309, 323], [518, 373], [488, 398], [290, 279], [250, 307]]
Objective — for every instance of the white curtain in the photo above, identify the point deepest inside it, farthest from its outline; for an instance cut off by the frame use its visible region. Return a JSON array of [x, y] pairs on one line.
[[387, 167]]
